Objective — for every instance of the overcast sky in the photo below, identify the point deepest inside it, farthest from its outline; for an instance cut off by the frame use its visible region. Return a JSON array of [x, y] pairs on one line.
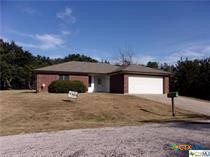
[[159, 31]]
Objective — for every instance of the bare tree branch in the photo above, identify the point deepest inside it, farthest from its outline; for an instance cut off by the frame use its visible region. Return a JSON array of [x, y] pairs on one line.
[[126, 56]]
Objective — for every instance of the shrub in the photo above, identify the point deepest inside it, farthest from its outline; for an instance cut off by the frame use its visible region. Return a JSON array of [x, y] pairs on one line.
[[64, 86]]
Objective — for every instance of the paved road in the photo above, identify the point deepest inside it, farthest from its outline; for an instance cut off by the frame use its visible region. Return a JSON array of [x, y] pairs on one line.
[[139, 141], [191, 104]]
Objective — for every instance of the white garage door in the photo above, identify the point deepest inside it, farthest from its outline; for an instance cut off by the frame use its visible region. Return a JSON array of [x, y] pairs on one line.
[[145, 85]]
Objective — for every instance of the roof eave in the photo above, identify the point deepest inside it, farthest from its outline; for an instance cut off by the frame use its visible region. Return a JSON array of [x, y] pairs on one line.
[[142, 73], [36, 71]]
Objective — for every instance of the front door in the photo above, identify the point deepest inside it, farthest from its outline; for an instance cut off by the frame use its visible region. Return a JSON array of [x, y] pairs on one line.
[[99, 83]]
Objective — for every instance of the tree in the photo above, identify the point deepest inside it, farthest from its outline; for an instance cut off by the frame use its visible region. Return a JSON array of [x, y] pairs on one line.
[[78, 57], [17, 65], [105, 61], [126, 57], [167, 67], [152, 64], [14, 62], [192, 78]]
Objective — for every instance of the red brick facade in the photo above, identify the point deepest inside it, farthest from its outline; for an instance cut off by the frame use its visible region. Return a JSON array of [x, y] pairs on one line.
[[165, 84], [125, 83], [44, 79], [117, 83], [82, 78], [48, 78]]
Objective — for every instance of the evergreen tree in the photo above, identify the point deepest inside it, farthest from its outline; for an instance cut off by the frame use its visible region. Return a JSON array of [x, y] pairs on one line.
[[17, 65]]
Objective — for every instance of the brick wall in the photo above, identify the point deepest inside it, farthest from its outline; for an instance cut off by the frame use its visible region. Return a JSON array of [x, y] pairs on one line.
[[44, 79], [116, 83], [82, 78], [165, 84], [125, 83], [48, 78]]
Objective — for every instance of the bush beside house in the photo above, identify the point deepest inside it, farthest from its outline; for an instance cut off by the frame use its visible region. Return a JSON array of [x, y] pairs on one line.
[[64, 86]]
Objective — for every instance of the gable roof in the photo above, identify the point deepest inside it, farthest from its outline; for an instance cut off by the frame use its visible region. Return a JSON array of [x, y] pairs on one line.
[[98, 68], [79, 67]]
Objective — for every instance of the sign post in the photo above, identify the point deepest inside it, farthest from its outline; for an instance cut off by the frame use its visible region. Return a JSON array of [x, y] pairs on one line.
[[172, 95], [173, 108]]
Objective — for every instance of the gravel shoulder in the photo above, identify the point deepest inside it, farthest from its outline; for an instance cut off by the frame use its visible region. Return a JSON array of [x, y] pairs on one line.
[[143, 141]]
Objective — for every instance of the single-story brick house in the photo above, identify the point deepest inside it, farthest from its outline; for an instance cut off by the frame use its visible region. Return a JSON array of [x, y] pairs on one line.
[[101, 77]]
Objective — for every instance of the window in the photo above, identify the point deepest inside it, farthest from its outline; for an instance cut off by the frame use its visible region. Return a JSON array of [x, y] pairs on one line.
[[63, 77], [89, 81], [99, 81]]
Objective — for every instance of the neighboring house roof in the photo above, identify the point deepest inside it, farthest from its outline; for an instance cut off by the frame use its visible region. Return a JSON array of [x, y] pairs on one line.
[[99, 68]]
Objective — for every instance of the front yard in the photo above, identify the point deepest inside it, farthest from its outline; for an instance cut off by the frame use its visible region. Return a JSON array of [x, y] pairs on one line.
[[27, 111]]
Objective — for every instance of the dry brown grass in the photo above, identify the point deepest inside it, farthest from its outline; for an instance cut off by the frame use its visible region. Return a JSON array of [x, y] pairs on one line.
[[27, 111]]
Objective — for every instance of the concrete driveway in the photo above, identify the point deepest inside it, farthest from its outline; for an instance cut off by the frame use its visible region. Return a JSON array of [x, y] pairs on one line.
[[191, 104]]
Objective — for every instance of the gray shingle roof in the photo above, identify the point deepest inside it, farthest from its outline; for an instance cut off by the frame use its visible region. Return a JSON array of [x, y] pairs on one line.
[[99, 68], [80, 67], [133, 68]]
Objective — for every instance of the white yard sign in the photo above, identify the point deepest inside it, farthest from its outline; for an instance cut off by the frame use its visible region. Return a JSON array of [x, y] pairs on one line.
[[73, 94]]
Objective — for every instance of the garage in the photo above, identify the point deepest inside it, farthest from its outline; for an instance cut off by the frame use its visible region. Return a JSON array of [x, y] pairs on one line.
[[145, 85]]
